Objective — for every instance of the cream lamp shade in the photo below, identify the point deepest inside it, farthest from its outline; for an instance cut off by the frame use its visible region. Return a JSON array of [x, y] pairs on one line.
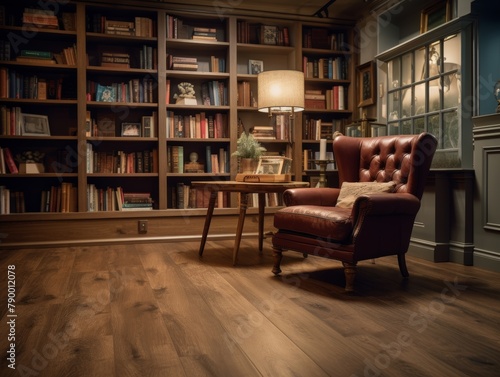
[[280, 91]]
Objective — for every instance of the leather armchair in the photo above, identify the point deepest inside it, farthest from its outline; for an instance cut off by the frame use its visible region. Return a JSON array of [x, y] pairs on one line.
[[377, 224]]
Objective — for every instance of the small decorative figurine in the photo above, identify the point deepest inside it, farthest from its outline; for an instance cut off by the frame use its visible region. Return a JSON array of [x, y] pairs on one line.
[[186, 95]]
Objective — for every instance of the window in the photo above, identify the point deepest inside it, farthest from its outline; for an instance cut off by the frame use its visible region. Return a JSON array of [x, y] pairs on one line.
[[424, 93]]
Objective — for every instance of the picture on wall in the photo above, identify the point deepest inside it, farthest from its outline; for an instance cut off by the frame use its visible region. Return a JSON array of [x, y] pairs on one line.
[[366, 84]]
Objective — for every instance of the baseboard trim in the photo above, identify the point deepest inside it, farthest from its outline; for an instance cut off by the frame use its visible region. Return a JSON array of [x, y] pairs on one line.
[[107, 241]]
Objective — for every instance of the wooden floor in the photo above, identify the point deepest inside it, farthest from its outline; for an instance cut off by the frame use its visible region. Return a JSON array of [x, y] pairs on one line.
[[158, 310]]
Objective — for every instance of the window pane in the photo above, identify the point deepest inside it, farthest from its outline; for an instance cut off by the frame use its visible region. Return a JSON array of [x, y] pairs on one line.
[[393, 71], [452, 53], [406, 105], [435, 95], [420, 64], [393, 105], [450, 130], [419, 99], [406, 69], [434, 61], [393, 128], [433, 127], [419, 125], [406, 127], [451, 89]]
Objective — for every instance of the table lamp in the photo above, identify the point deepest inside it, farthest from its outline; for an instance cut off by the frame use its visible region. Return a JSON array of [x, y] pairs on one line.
[[281, 91]]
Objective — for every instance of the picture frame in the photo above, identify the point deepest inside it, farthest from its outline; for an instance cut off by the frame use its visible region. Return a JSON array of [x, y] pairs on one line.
[[35, 125], [366, 84], [274, 165], [255, 67], [131, 129], [269, 35], [435, 15]]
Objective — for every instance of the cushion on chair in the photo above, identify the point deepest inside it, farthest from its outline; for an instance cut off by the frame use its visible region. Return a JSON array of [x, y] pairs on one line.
[[332, 223], [351, 190]]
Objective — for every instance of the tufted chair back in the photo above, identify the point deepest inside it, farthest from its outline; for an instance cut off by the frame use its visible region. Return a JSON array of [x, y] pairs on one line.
[[403, 159]]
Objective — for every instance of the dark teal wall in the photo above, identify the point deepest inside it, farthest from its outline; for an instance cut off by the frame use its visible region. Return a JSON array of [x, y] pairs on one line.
[[488, 16]]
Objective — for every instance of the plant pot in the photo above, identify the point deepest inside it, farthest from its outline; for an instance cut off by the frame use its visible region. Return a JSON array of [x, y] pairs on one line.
[[248, 165]]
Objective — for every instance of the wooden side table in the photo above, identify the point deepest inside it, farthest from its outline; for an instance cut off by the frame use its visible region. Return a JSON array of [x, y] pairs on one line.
[[243, 188]]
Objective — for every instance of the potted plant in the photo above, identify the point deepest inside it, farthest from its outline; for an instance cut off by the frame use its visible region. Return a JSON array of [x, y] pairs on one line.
[[248, 149]]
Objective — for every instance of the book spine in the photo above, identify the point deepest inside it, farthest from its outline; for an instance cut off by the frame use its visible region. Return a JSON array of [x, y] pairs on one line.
[[9, 160]]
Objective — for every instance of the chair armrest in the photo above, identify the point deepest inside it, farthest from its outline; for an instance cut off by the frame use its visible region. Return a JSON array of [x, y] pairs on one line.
[[311, 196], [386, 204], [383, 223]]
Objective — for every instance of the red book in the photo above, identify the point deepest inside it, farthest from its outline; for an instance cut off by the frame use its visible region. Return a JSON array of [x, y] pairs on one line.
[[9, 160]]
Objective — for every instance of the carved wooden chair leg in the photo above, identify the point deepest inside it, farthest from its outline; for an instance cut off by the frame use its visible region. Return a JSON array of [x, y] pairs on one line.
[[402, 265], [350, 274], [277, 255]]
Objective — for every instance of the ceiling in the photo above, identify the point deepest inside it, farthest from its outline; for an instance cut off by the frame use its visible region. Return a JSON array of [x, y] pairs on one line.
[[340, 9]]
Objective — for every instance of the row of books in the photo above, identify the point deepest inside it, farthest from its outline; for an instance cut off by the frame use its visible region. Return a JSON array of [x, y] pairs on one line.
[[120, 162], [257, 33], [214, 93], [115, 199], [14, 84], [11, 201], [63, 198], [104, 125], [177, 28], [317, 129], [134, 90], [184, 196], [330, 99], [246, 96], [197, 126], [7, 162], [139, 26], [325, 68], [323, 38], [10, 120], [216, 161]]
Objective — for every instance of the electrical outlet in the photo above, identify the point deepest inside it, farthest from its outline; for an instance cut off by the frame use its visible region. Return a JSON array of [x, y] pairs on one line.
[[143, 226]]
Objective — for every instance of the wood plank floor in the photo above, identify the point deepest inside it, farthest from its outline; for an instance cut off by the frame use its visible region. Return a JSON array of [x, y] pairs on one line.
[[158, 310]]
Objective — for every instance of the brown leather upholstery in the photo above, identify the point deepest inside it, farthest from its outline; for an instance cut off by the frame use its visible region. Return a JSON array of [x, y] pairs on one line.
[[378, 224]]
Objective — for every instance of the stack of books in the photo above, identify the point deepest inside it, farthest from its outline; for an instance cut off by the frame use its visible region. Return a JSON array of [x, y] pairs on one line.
[[205, 33], [119, 27], [134, 201], [40, 18], [264, 132], [315, 99], [35, 56], [182, 63], [112, 59]]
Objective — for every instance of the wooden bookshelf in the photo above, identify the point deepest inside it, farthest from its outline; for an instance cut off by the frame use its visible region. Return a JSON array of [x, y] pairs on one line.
[[73, 106]]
